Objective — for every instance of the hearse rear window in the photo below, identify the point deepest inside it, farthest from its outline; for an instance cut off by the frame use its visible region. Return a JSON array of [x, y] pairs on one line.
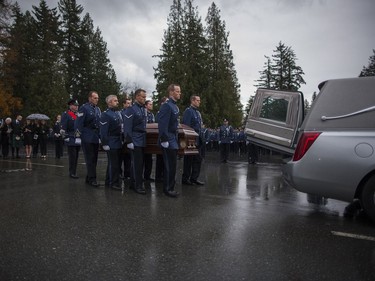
[[274, 109]]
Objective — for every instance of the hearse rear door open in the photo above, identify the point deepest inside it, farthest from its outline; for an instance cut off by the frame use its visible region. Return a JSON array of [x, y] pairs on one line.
[[274, 119]]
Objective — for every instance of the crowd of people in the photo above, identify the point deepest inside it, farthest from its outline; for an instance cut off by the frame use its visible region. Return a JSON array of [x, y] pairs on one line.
[[33, 135], [121, 133]]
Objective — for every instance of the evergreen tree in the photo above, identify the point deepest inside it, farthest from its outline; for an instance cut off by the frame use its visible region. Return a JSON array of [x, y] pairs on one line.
[[370, 69], [266, 76], [6, 7], [47, 92], [307, 106], [17, 57], [195, 57], [72, 42], [8, 58], [281, 72], [247, 108], [44, 61], [85, 55], [103, 77], [223, 88], [286, 74], [170, 68]]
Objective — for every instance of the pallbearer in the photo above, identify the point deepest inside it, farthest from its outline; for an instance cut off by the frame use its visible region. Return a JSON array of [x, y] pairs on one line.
[[110, 135]]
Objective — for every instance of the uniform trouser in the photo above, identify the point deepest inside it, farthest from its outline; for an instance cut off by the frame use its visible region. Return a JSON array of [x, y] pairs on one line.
[[192, 167], [17, 149], [159, 167], [112, 176], [170, 163], [59, 144], [35, 147], [73, 152], [90, 151], [224, 151], [137, 167], [126, 162], [43, 145], [252, 153], [147, 158]]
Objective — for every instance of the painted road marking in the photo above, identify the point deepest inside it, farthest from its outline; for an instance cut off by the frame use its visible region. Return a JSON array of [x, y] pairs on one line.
[[352, 235], [33, 163]]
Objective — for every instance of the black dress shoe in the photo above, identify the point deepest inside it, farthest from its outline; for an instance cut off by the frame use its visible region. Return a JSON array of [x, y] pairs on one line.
[[140, 190], [187, 182], [171, 193], [73, 176], [150, 179], [197, 182], [94, 184]]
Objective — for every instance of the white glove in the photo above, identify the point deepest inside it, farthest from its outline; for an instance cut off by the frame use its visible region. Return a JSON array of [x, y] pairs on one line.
[[165, 144], [219, 142], [130, 146], [66, 140], [231, 141], [78, 141], [106, 147]]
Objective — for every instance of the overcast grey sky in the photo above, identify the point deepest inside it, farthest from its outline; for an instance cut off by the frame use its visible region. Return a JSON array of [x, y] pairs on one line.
[[331, 38]]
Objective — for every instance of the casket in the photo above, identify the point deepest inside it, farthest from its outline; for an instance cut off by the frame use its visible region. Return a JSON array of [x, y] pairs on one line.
[[186, 137]]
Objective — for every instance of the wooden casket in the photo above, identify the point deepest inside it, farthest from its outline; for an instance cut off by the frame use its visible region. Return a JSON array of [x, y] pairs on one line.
[[186, 138]]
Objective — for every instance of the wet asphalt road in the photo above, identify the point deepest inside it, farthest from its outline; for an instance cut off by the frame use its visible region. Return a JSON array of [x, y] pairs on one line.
[[244, 224]]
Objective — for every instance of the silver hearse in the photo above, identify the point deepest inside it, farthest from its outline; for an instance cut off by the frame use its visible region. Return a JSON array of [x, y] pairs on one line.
[[332, 148]]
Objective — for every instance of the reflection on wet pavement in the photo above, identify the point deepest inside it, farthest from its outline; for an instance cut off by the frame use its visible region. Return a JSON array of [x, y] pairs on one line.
[[245, 223]]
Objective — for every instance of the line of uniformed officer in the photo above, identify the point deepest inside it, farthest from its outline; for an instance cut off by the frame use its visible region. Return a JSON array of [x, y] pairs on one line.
[[168, 138], [225, 139], [110, 134], [192, 163], [135, 138], [87, 132], [89, 126]]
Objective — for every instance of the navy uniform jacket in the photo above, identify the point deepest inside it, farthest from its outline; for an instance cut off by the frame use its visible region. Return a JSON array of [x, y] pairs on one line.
[[168, 123], [214, 136], [192, 118], [67, 124], [226, 134], [205, 135], [241, 136], [87, 123], [110, 128], [135, 125]]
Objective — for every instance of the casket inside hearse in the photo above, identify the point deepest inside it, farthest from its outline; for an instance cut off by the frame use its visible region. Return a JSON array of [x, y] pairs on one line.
[[186, 138]]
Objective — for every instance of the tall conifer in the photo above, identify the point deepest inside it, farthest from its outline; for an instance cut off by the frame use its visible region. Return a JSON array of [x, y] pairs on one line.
[[223, 87]]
